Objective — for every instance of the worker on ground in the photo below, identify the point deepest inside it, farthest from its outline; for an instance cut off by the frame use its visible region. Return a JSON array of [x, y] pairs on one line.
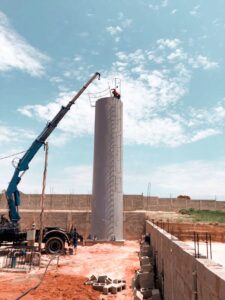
[[147, 239], [115, 93], [75, 236]]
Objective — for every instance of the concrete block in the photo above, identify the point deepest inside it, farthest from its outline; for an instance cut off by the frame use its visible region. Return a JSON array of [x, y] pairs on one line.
[[117, 287], [146, 268], [156, 294], [146, 252], [146, 247], [98, 286], [144, 260], [90, 282], [102, 279], [107, 288], [93, 277], [146, 280], [108, 280], [138, 295], [147, 293]]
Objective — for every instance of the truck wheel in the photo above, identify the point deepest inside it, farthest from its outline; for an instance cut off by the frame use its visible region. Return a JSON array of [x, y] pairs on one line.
[[54, 245]]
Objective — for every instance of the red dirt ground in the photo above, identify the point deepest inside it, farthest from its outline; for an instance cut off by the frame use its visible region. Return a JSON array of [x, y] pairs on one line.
[[67, 282], [55, 286]]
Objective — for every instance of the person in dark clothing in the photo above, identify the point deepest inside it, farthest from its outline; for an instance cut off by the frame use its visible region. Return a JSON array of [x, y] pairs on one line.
[[147, 239], [75, 239], [75, 236]]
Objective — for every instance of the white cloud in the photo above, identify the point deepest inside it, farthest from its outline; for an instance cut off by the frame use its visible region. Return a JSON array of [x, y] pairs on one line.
[[17, 53], [59, 139], [149, 95], [158, 4], [117, 39], [144, 120], [116, 30], [113, 30], [195, 10], [171, 50], [212, 116], [77, 58], [178, 54], [11, 134], [64, 183], [32, 180], [170, 43], [58, 183], [56, 79], [202, 134], [125, 22], [174, 11], [192, 178], [79, 120], [203, 62], [26, 111]]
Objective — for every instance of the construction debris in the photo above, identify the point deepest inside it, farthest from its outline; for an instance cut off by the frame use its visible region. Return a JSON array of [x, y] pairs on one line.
[[105, 284]]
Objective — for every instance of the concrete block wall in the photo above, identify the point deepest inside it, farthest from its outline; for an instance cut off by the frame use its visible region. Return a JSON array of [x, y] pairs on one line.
[[52, 201], [130, 202], [185, 231], [133, 223], [182, 275]]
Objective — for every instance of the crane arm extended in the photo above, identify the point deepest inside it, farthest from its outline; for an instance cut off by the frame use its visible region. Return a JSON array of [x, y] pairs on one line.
[[12, 193]]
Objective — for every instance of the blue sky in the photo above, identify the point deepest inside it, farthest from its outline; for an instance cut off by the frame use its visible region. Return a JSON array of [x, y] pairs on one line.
[[169, 56]]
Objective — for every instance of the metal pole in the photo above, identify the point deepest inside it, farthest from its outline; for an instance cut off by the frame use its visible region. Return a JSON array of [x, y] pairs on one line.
[[43, 195], [198, 244], [206, 241], [210, 245], [195, 243], [149, 196]]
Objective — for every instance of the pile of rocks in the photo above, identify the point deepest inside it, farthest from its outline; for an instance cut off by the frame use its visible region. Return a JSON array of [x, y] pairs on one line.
[[144, 286], [105, 284]]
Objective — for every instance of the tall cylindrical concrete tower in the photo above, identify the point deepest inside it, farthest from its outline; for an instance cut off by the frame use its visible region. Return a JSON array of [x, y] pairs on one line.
[[107, 202]]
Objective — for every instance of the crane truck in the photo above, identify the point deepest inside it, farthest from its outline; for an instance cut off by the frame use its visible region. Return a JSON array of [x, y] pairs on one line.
[[53, 237]]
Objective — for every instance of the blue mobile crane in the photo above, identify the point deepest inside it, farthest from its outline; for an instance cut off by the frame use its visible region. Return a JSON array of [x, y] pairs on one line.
[[53, 237]]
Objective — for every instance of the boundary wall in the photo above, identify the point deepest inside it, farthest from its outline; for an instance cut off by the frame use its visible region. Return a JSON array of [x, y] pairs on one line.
[[180, 274], [130, 202], [65, 210], [133, 222]]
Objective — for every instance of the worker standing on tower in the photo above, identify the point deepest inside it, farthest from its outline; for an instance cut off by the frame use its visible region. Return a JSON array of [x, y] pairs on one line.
[[115, 93]]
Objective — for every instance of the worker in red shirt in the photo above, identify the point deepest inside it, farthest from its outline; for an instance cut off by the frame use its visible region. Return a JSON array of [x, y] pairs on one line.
[[115, 93]]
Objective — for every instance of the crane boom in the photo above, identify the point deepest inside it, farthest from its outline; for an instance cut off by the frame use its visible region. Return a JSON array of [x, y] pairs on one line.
[[12, 193]]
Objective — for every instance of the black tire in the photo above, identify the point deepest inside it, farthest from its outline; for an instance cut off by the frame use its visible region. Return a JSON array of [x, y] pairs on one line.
[[54, 245]]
